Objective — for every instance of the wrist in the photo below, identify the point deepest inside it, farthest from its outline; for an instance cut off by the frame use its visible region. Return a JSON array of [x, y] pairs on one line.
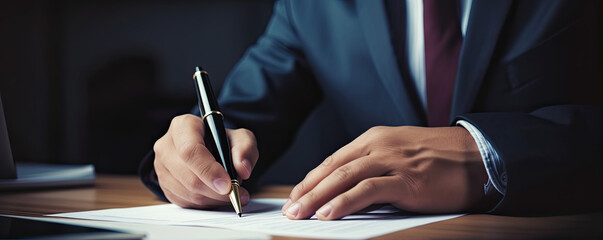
[[475, 172], [493, 189]]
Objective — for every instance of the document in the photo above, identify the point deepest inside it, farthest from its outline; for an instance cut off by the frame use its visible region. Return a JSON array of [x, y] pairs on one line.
[[162, 232], [264, 216]]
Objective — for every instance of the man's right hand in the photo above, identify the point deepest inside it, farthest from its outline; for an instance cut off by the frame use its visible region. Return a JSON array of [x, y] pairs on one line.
[[189, 175]]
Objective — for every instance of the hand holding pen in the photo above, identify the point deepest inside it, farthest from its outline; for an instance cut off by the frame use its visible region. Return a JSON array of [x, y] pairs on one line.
[[215, 133], [189, 174]]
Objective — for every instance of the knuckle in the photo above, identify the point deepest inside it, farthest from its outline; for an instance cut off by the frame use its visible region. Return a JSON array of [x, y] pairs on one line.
[[181, 120], [376, 132], [248, 139], [343, 173], [176, 120], [186, 117], [311, 195], [194, 183], [299, 189], [188, 151], [308, 177], [376, 129], [310, 174], [159, 145], [345, 200], [368, 186], [246, 132], [242, 146], [205, 170], [328, 161]]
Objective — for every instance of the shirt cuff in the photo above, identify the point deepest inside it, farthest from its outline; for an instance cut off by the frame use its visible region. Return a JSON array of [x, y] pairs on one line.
[[495, 168]]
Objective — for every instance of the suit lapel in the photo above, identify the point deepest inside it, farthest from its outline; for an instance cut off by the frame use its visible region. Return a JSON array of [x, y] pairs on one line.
[[485, 23], [373, 21]]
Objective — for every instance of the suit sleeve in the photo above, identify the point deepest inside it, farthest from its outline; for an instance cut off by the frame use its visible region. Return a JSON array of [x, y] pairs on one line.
[[552, 157], [270, 91]]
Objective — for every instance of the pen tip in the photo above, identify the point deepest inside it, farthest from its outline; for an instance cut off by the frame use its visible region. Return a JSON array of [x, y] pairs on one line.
[[239, 214], [197, 68]]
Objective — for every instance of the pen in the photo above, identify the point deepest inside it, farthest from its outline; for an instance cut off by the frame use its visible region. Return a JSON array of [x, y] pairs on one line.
[[215, 133]]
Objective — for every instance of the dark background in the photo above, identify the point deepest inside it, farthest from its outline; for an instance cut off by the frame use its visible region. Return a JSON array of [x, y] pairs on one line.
[[98, 81]]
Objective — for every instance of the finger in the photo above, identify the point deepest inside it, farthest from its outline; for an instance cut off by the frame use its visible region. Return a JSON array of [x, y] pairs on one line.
[[184, 176], [175, 199], [315, 176], [183, 126], [184, 183], [339, 181], [365, 193], [356, 149], [244, 196], [186, 132], [197, 199], [244, 151], [337, 159]]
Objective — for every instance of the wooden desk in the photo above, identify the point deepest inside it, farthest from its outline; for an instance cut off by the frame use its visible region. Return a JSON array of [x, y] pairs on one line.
[[113, 191]]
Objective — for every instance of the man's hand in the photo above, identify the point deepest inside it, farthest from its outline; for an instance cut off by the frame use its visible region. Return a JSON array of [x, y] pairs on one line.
[[189, 175], [428, 170]]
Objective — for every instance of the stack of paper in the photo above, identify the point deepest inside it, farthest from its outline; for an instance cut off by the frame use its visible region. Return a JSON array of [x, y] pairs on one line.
[[36, 175], [264, 216]]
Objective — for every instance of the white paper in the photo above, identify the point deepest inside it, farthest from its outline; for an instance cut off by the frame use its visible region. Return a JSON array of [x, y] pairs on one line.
[[264, 216], [162, 232]]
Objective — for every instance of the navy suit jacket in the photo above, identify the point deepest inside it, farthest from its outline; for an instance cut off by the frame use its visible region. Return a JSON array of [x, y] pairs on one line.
[[529, 79]]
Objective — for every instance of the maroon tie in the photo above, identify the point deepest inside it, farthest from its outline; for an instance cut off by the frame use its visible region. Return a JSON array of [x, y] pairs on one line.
[[443, 42]]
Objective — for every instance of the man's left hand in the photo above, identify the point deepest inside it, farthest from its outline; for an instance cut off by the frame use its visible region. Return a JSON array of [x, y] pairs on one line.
[[418, 169]]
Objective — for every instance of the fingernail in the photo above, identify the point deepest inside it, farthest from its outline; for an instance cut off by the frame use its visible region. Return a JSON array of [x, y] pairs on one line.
[[325, 210], [222, 185], [247, 166], [293, 210], [287, 203]]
